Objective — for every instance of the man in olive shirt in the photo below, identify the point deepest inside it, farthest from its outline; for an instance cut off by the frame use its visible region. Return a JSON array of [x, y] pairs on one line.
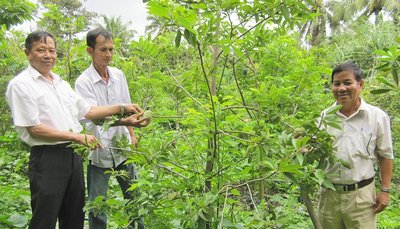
[[363, 140]]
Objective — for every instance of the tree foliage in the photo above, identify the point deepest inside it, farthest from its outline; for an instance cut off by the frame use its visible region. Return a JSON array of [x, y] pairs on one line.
[[235, 98], [15, 12], [65, 20]]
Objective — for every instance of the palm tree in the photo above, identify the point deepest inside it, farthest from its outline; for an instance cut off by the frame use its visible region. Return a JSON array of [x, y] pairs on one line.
[[373, 9], [120, 31], [339, 14], [157, 25], [317, 26]]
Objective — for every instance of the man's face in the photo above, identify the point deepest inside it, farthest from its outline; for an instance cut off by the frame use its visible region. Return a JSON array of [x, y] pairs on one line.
[[43, 55], [346, 89], [102, 52]]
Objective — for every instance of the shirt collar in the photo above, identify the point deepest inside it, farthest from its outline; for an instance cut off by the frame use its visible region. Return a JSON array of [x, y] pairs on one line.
[[361, 108], [96, 76], [35, 74], [363, 105]]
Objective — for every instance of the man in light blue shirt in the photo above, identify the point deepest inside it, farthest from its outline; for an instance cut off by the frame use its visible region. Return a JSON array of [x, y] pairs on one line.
[[101, 84]]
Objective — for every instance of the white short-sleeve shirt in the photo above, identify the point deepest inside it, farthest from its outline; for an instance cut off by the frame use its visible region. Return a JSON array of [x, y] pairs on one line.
[[97, 92], [34, 100], [365, 135]]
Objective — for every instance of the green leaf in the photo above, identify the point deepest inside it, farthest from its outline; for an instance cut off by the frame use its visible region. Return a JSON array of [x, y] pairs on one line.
[[227, 223], [301, 142], [235, 192], [381, 52], [201, 223], [300, 158], [385, 81], [395, 76], [185, 18], [345, 163], [320, 175], [148, 114], [178, 39], [18, 220], [291, 177], [334, 109], [204, 215], [157, 9], [331, 116], [290, 168], [383, 67], [267, 164], [190, 37], [394, 52], [380, 91], [172, 195], [328, 184], [334, 124]]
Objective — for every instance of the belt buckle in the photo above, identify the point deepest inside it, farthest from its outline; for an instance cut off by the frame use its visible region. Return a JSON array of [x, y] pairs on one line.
[[347, 188]]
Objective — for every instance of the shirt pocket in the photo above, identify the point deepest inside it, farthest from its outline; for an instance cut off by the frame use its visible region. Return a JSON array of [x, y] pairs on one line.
[[69, 103], [366, 145]]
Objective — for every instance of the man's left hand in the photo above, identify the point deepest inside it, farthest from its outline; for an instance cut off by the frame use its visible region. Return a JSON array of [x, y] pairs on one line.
[[132, 108], [381, 201], [135, 120]]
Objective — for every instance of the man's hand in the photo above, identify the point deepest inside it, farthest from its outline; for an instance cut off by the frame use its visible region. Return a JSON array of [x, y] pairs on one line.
[[134, 141], [132, 108], [135, 120], [87, 140], [381, 201]]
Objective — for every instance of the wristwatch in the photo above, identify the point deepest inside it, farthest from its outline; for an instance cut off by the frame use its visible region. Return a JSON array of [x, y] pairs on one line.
[[385, 190], [122, 108]]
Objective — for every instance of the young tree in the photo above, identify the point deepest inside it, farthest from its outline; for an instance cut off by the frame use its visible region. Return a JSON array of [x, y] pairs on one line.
[[234, 83], [65, 19]]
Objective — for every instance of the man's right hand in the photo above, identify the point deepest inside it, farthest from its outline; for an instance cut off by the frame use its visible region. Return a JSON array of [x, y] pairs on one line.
[[88, 140], [132, 109]]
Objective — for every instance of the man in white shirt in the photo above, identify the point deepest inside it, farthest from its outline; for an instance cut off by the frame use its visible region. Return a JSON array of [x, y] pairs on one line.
[[364, 140], [101, 84], [46, 113]]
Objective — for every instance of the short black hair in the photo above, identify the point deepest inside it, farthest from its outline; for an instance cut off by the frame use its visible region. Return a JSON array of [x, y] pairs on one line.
[[348, 66], [93, 34], [38, 36]]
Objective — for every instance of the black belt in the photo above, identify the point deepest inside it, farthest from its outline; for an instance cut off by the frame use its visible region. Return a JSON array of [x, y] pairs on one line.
[[57, 146], [351, 187]]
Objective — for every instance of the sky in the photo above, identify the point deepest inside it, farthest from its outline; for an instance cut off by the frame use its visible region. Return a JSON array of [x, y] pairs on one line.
[[130, 10], [133, 11]]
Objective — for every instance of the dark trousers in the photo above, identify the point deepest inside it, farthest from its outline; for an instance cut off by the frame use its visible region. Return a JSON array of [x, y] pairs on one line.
[[98, 179], [57, 187]]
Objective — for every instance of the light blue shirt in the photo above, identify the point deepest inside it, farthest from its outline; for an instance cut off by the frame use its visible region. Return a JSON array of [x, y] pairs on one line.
[[97, 92]]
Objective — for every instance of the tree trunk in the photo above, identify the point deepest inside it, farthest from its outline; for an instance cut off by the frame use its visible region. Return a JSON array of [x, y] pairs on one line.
[[212, 141], [310, 209], [315, 32]]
